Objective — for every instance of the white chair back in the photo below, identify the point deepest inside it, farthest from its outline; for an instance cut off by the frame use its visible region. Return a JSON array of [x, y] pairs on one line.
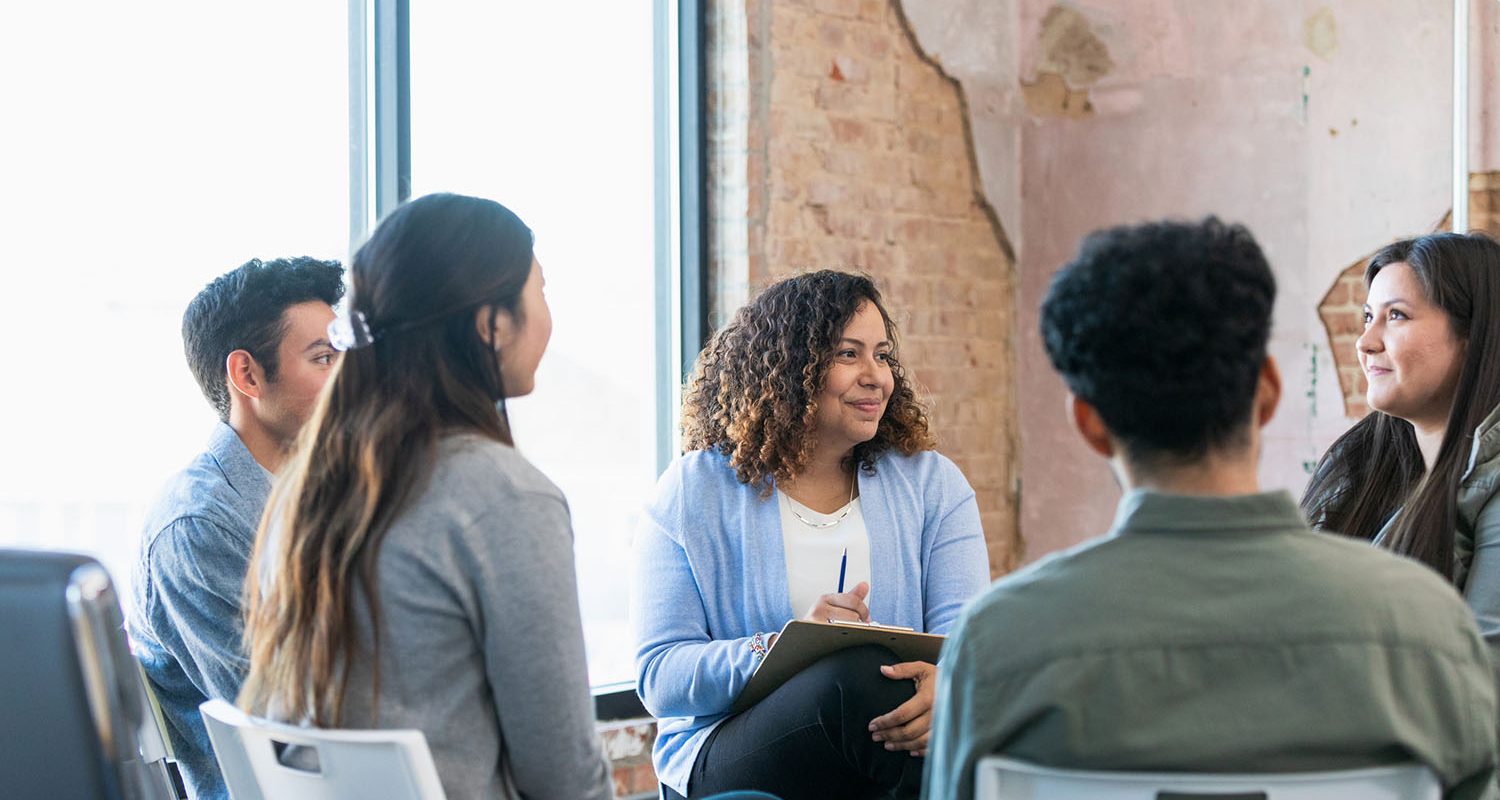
[[352, 765], [151, 736], [998, 778]]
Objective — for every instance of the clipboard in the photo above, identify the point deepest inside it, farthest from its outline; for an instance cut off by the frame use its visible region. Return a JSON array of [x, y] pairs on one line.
[[802, 643]]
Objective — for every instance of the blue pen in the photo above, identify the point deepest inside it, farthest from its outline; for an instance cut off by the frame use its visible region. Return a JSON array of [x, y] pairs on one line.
[[843, 563]]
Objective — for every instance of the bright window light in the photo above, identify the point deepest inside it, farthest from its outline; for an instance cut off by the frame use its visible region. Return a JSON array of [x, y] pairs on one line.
[[154, 147], [150, 148], [547, 108]]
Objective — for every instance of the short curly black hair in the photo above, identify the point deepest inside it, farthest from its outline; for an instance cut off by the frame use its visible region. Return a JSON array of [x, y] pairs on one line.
[[1162, 328], [242, 310]]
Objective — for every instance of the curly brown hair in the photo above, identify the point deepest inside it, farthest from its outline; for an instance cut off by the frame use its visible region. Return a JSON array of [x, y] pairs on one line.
[[753, 394]]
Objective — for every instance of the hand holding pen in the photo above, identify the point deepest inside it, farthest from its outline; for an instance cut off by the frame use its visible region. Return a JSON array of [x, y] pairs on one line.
[[849, 606]]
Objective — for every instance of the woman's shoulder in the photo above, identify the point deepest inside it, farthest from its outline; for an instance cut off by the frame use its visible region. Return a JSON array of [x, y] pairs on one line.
[[476, 466], [1484, 455], [705, 462], [697, 476], [1481, 478], [925, 467], [483, 502], [701, 470]]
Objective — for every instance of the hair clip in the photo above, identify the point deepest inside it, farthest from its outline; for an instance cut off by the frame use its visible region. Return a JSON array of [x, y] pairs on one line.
[[350, 331]]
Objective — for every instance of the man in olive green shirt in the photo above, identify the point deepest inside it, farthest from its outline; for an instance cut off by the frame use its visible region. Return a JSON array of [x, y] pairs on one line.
[[1209, 630]]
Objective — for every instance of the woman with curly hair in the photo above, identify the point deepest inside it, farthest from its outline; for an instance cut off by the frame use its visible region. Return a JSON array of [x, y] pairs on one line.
[[803, 440]]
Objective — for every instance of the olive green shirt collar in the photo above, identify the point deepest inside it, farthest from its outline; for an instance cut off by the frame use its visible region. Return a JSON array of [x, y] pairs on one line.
[[1146, 511]]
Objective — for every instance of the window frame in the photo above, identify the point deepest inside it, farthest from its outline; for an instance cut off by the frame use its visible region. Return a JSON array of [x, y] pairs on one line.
[[380, 170]]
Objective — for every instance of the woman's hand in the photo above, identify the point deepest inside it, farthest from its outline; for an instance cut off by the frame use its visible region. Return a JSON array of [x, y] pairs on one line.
[[908, 726], [848, 606]]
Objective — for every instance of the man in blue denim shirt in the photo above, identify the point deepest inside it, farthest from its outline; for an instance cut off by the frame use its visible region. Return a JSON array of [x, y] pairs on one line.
[[256, 340]]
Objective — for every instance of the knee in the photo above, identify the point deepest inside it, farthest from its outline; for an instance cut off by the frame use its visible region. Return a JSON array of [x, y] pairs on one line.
[[851, 679], [859, 660]]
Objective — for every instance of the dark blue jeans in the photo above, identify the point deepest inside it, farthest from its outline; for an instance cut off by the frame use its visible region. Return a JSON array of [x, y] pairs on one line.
[[810, 738]]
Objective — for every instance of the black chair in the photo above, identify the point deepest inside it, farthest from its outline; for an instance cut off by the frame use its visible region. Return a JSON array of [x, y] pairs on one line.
[[72, 702]]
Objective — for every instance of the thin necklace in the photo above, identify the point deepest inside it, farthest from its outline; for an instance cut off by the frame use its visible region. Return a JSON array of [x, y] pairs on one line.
[[849, 506]]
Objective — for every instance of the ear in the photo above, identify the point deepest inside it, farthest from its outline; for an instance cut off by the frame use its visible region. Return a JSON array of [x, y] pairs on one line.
[[502, 334], [1090, 426], [1267, 392], [245, 375]]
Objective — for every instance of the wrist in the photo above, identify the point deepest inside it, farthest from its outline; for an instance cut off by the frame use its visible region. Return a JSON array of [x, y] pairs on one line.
[[759, 646]]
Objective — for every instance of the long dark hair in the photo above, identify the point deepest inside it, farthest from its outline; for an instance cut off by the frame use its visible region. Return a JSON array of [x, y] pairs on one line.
[[370, 446], [753, 395], [1375, 470]]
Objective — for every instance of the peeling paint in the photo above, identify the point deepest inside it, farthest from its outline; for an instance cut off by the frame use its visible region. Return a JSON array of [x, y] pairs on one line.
[[1306, 91], [1222, 84], [1117, 100], [1071, 49], [1312, 382], [1050, 96], [1073, 58], [1320, 33], [1309, 464]]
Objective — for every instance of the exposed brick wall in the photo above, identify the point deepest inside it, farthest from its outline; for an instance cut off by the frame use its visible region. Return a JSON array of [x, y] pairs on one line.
[[1342, 313], [1341, 309], [860, 158], [627, 744], [857, 156]]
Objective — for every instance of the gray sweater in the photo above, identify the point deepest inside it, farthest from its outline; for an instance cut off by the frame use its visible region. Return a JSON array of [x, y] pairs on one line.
[[482, 645]]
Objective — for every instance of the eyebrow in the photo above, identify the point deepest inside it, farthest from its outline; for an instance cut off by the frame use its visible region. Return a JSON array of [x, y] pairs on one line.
[[881, 343], [317, 344], [1390, 302]]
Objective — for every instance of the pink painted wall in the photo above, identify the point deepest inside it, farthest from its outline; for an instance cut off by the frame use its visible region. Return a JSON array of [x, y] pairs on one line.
[[1322, 126]]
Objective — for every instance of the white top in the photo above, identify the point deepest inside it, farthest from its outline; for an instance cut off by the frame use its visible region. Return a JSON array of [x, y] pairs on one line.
[[813, 554]]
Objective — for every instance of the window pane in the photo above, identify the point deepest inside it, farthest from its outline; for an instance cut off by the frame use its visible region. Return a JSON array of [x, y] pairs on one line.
[[547, 108], [151, 147]]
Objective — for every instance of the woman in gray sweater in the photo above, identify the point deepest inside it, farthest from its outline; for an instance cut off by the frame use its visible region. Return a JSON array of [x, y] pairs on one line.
[[413, 570]]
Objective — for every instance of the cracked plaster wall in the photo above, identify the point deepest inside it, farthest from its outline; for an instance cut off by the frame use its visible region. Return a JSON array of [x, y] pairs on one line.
[[1323, 126], [836, 144]]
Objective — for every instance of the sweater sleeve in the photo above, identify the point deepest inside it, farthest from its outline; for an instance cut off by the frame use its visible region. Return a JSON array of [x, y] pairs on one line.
[[534, 653], [956, 564], [681, 669]]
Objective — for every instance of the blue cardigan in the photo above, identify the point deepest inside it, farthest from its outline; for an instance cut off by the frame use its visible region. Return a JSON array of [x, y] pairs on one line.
[[710, 573]]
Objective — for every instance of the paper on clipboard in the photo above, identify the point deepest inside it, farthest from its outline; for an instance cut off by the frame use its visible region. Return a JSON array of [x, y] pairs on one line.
[[802, 643]]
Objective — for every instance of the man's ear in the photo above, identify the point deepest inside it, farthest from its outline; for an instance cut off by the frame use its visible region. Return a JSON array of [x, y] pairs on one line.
[[244, 374], [1090, 426], [503, 331], [1267, 392]]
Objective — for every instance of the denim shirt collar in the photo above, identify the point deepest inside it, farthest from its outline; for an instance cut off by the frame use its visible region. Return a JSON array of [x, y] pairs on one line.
[[1146, 511], [250, 481]]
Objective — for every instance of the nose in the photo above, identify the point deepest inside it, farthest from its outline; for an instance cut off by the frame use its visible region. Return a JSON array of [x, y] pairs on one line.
[[1369, 341]]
